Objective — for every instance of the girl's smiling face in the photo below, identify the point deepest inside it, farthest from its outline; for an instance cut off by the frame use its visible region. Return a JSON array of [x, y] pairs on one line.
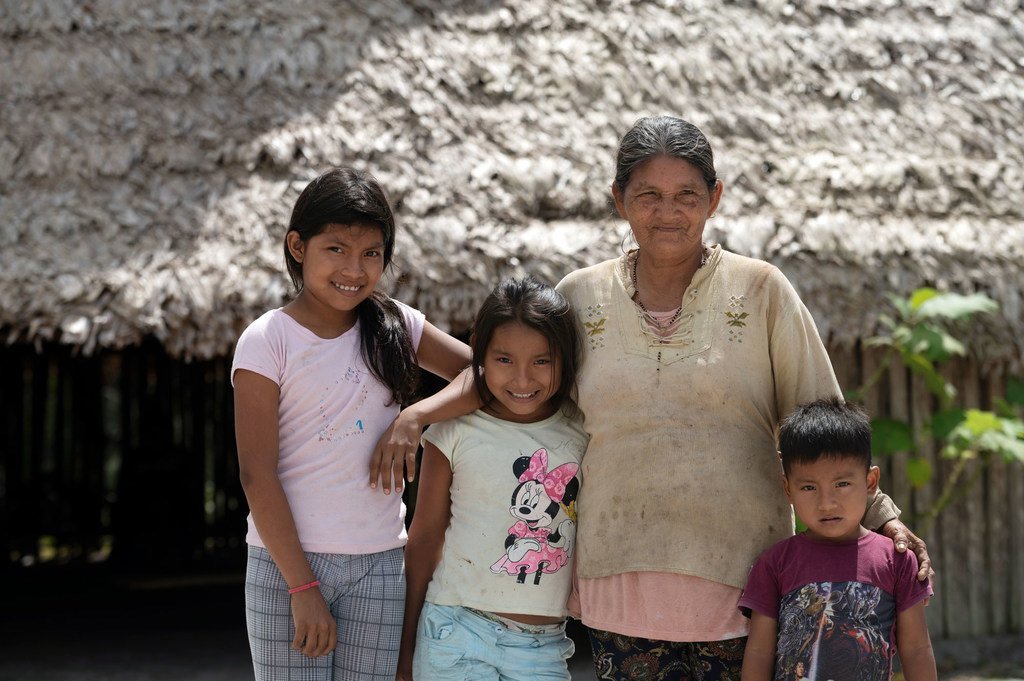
[[340, 268], [522, 374]]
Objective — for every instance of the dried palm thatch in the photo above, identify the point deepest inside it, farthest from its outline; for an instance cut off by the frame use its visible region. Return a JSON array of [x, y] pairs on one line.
[[151, 150]]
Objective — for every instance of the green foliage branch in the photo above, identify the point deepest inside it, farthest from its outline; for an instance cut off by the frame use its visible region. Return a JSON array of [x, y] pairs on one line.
[[918, 335]]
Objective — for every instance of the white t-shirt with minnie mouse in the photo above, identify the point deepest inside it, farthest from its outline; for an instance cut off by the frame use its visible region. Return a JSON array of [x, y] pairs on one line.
[[510, 544]]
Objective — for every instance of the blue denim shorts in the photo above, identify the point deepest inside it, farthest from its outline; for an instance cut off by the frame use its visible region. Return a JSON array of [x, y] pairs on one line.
[[454, 643]]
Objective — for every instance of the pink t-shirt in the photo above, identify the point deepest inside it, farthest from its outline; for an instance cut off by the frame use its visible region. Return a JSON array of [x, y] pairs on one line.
[[836, 604], [332, 412]]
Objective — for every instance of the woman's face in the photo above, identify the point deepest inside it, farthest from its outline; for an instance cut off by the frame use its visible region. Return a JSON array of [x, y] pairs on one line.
[[666, 204]]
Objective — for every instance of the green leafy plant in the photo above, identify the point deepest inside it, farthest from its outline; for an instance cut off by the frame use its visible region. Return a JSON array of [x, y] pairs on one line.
[[918, 336]]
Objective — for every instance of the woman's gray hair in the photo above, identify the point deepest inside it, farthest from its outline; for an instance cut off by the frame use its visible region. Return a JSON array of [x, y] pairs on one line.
[[663, 136]]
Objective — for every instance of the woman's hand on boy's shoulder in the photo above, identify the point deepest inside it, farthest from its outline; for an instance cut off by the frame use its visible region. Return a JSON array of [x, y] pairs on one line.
[[395, 452], [904, 539]]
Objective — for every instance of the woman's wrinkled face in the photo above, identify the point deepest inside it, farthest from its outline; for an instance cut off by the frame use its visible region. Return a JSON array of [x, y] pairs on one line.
[[666, 204]]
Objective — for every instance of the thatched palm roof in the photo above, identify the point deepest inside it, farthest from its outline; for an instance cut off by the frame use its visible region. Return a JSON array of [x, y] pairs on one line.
[[151, 151]]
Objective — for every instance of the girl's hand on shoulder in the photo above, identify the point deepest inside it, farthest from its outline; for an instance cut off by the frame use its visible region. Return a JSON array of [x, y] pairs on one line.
[[316, 632], [396, 450]]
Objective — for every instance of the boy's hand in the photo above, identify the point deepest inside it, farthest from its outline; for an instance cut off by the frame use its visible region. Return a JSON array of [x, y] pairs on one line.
[[395, 449], [903, 538]]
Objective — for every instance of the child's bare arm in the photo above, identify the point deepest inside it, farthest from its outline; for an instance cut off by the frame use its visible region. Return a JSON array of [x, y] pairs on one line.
[[759, 656], [256, 434], [914, 645], [441, 354], [423, 551]]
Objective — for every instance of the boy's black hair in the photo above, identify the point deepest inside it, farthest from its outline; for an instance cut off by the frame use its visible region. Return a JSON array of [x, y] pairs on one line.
[[825, 428]]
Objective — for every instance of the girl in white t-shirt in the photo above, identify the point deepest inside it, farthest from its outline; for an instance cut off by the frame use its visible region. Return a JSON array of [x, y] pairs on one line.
[[317, 382], [491, 546]]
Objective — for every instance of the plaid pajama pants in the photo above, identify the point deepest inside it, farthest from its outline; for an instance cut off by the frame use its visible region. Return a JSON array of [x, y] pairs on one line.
[[366, 595]]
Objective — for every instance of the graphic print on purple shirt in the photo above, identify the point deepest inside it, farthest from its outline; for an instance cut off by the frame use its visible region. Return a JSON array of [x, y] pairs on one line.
[[835, 630], [836, 605]]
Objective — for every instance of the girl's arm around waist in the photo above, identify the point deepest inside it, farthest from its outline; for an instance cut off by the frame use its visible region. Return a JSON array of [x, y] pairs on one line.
[[426, 542], [256, 433], [444, 356]]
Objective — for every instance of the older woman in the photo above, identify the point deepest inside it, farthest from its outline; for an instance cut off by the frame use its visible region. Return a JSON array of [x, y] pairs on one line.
[[693, 356]]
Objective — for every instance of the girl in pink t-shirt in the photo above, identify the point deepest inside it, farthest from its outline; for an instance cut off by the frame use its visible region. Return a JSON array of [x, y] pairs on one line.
[[317, 383]]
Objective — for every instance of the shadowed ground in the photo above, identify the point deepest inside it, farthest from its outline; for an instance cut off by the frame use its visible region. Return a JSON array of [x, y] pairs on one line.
[[98, 628]]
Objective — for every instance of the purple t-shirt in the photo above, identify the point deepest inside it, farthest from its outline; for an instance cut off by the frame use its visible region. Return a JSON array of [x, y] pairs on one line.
[[836, 605]]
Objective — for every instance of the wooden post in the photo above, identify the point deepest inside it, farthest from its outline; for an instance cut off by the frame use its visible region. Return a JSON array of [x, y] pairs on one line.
[[898, 485], [920, 403], [974, 550], [997, 515], [1015, 521]]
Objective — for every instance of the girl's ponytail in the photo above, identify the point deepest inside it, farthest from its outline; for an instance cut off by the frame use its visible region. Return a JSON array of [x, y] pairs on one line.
[[387, 348]]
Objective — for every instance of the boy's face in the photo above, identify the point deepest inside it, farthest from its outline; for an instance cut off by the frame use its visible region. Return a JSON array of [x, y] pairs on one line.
[[830, 496]]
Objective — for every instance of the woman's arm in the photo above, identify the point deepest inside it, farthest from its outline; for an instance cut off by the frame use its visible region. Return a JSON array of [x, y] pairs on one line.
[[914, 645], [256, 434], [759, 655], [423, 551], [444, 356]]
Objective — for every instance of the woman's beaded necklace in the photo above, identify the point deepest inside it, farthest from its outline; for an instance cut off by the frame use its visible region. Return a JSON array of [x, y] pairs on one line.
[[659, 321]]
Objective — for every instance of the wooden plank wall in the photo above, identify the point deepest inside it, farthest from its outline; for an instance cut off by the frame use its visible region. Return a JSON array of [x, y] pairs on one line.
[[126, 457], [978, 542], [132, 452]]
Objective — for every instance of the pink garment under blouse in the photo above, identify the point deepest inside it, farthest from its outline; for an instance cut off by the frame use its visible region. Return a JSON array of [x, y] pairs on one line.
[[660, 605]]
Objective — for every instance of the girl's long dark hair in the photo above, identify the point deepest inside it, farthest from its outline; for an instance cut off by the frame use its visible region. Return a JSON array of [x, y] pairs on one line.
[[541, 308], [345, 196]]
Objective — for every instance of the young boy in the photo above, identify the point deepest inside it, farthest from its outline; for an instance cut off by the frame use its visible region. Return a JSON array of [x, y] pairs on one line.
[[836, 600]]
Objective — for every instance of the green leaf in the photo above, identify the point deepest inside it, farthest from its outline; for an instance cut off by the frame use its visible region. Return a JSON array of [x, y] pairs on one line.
[[919, 471], [903, 337], [1003, 444], [961, 448], [920, 296], [902, 305], [1015, 392], [1004, 408], [943, 422], [979, 422], [889, 436], [956, 306], [934, 343], [877, 341], [933, 380], [951, 346]]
